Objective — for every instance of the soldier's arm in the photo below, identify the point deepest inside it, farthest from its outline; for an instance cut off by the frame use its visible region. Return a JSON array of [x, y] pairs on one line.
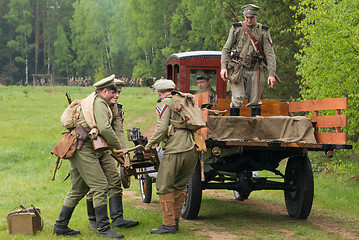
[[118, 126], [227, 48], [269, 52], [161, 130], [102, 119]]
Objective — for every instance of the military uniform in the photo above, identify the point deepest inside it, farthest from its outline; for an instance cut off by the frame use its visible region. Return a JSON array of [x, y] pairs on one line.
[[248, 84], [178, 161], [110, 169], [86, 172]]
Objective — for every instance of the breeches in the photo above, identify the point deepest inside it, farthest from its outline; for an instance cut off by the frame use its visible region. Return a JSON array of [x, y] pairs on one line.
[[86, 173], [109, 168], [175, 170], [248, 86]]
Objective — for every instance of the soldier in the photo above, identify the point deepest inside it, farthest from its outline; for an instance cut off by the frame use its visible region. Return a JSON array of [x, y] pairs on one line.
[[204, 84], [178, 161], [109, 167], [250, 81], [86, 171]]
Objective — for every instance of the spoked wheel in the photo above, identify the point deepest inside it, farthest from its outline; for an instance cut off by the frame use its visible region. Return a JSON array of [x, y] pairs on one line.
[[193, 200], [298, 174], [146, 188], [125, 177]]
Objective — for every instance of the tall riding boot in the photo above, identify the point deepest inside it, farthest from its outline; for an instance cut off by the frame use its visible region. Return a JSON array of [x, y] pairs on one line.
[[103, 225], [255, 112], [234, 111], [167, 206], [60, 227], [91, 214], [116, 213], [179, 197]]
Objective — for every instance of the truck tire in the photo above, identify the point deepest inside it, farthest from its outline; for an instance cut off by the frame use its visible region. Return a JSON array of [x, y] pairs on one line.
[[193, 200], [146, 188], [299, 174]]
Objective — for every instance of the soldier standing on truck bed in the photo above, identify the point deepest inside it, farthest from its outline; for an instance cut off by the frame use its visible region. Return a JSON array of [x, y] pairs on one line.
[[246, 73], [178, 161]]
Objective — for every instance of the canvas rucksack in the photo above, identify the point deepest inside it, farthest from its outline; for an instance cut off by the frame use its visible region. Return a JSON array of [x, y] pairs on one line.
[[191, 115], [71, 114]]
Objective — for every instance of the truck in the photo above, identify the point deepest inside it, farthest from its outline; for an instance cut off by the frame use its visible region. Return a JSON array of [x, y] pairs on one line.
[[237, 147]]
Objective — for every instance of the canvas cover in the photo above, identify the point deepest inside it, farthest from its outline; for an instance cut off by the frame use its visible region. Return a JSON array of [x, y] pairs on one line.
[[262, 129]]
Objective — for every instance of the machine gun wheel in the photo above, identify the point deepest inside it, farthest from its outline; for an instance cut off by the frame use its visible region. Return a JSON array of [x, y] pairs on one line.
[[298, 173], [193, 200], [146, 187], [125, 177]]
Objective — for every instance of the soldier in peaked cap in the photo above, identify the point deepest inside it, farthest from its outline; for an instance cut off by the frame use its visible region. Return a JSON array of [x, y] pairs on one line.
[[249, 79], [204, 83], [86, 172], [178, 161], [109, 167]]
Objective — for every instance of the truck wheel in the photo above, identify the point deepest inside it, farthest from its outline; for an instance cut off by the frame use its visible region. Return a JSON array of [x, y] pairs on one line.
[[237, 195], [146, 188], [193, 200], [298, 173]]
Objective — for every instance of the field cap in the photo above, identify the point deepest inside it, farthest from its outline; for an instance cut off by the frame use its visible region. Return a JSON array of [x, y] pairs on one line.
[[202, 75], [106, 82], [250, 10], [119, 83], [164, 84]]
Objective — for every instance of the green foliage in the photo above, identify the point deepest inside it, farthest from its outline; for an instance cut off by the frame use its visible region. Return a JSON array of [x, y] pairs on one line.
[[330, 52]]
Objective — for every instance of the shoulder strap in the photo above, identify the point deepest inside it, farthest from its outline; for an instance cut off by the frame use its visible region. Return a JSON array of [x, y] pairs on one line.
[[255, 42], [240, 32]]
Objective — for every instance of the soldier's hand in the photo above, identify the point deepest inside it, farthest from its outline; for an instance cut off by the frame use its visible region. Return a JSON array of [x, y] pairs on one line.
[[224, 74], [271, 81]]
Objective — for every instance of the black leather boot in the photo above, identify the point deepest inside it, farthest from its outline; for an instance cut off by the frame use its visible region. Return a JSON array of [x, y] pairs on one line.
[[234, 111], [255, 112], [116, 214], [163, 229], [60, 227], [91, 215], [103, 225], [177, 224]]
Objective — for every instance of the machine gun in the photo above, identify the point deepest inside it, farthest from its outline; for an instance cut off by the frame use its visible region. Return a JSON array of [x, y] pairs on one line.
[[137, 164]]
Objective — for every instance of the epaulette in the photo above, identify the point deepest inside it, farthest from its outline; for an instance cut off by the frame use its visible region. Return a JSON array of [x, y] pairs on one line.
[[265, 28], [160, 100], [237, 24]]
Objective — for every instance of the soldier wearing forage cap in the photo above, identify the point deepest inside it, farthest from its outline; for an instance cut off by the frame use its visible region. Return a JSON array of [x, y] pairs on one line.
[[250, 78], [109, 167], [86, 172], [178, 161], [204, 83]]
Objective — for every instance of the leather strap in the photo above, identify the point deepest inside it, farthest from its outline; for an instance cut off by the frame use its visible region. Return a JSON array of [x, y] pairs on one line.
[[255, 42]]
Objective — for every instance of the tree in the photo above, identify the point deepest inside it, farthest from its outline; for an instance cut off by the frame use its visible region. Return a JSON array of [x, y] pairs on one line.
[[20, 16], [328, 61], [62, 55]]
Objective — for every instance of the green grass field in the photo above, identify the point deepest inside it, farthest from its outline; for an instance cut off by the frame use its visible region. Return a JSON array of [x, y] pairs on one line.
[[30, 127]]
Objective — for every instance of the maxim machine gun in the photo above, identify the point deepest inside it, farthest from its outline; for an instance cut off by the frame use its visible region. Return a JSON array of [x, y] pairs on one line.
[[140, 160]]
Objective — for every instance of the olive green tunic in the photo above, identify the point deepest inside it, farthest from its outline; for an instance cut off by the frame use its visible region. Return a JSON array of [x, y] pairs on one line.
[[107, 162], [86, 171], [179, 157], [248, 85]]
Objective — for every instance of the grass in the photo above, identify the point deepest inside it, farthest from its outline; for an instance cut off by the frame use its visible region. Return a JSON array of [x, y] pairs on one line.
[[30, 127]]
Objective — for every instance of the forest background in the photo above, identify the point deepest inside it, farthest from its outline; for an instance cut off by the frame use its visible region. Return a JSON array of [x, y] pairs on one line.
[[315, 41]]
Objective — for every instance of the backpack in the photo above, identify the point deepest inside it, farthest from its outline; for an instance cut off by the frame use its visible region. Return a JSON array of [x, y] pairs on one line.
[[191, 115], [71, 114]]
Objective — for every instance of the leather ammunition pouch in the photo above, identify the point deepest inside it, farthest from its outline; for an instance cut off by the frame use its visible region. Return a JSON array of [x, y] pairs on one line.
[[99, 144], [66, 147], [25, 221], [235, 69]]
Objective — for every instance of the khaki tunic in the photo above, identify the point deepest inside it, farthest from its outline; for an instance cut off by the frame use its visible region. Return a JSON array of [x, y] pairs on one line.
[[248, 84], [85, 171], [107, 162], [179, 157]]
